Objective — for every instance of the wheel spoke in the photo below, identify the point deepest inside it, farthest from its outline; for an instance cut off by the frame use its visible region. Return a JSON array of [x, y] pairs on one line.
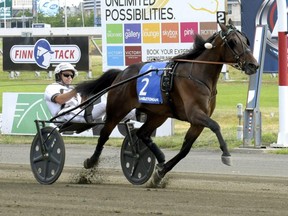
[[54, 159], [38, 159], [134, 167], [45, 171], [143, 150], [128, 153], [133, 148]]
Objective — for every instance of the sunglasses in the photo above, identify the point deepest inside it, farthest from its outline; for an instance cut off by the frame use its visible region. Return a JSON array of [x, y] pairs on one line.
[[67, 75]]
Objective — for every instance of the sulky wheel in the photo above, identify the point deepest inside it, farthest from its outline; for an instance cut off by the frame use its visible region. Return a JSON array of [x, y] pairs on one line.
[[137, 161], [48, 164]]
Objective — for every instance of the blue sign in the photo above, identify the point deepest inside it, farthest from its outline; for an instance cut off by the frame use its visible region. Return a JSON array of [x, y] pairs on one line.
[[259, 12], [116, 55]]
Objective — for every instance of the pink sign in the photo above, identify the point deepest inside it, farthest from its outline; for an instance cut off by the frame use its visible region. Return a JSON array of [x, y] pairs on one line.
[[187, 31]]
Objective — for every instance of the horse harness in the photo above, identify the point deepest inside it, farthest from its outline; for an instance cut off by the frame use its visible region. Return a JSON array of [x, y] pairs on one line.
[[167, 78], [167, 81]]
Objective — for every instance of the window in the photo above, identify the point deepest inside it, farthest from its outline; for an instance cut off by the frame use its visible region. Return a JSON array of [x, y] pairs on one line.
[[229, 8]]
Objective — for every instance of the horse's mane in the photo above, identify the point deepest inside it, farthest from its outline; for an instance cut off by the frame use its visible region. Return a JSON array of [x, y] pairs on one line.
[[197, 49]]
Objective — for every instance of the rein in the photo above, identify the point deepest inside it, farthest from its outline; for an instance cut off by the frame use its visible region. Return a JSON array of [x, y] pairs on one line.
[[95, 97], [203, 62], [223, 35]]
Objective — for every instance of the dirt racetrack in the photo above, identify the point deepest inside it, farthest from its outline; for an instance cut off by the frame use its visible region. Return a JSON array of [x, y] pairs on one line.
[[111, 194]]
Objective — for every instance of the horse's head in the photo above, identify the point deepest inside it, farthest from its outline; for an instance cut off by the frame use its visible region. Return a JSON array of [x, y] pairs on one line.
[[237, 49]]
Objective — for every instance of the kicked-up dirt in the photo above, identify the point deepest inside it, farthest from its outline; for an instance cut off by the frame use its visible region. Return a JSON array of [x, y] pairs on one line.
[[109, 193]]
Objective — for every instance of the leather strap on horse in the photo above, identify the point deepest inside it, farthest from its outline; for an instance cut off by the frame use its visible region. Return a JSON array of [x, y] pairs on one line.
[[167, 77], [191, 77], [203, 62], [167, 85]]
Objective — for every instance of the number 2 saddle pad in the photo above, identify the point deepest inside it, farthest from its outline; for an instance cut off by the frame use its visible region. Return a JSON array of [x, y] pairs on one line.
[[148, 86]]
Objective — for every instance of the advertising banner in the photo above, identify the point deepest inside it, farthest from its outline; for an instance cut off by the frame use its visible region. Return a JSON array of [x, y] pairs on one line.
[[262, 12], [20, 110], [32, 53], [147, 30]]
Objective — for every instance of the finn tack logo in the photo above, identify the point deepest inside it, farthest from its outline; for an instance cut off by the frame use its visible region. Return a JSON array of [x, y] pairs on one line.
[[43, 54]]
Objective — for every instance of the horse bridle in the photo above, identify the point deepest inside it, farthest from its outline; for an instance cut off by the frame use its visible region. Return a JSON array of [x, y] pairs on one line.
[[224, 37]]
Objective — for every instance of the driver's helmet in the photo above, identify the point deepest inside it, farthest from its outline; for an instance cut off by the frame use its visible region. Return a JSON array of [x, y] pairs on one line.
[[63, 67]]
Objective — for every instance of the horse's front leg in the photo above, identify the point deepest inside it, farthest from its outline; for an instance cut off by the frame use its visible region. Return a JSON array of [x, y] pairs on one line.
[[205, 121], [162, 169], [226, 157]]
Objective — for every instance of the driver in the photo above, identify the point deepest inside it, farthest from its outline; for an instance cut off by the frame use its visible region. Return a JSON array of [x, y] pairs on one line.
[[61, 96]]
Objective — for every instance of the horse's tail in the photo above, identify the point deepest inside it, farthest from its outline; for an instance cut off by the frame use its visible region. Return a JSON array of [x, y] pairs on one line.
[[94, 86]]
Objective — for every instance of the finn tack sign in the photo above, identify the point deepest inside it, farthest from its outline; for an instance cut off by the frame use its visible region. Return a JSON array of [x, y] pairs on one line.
[[28, 53], [36, 53]]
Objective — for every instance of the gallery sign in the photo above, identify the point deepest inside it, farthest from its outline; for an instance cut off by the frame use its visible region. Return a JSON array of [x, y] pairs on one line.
[[44, 53]]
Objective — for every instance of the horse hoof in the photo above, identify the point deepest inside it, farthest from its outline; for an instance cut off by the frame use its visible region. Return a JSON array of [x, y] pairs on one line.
[[87, 164], [226, 160], [90, 163], [156, 179]]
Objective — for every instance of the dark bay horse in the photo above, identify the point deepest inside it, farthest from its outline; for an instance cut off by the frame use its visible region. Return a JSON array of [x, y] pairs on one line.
[[191, 99]]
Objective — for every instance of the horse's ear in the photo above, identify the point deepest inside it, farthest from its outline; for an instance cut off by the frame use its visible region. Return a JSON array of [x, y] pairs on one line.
[[223, 27], [230, 22]]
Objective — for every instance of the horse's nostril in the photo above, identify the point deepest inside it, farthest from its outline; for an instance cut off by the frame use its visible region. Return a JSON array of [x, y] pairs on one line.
[[254, 66], [250, 68]]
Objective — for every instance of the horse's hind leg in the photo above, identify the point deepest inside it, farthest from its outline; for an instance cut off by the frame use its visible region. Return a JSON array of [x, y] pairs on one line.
[[145, 131], [104, 136], [112, 119]]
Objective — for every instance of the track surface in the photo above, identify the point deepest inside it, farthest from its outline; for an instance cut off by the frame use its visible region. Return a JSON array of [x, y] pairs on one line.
[[188, 192]]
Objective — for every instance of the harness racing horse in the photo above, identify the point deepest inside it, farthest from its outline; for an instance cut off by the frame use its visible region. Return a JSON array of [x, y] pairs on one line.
[[192, 98]]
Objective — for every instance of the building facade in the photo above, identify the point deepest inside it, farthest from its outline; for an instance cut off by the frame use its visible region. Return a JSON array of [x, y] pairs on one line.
[[234, 11]]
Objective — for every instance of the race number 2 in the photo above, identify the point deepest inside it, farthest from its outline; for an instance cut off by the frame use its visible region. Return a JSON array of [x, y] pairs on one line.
[[221, 18], [143, 89]]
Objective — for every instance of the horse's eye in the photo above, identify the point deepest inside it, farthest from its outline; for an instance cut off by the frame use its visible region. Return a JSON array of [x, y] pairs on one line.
[[232, 43]]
